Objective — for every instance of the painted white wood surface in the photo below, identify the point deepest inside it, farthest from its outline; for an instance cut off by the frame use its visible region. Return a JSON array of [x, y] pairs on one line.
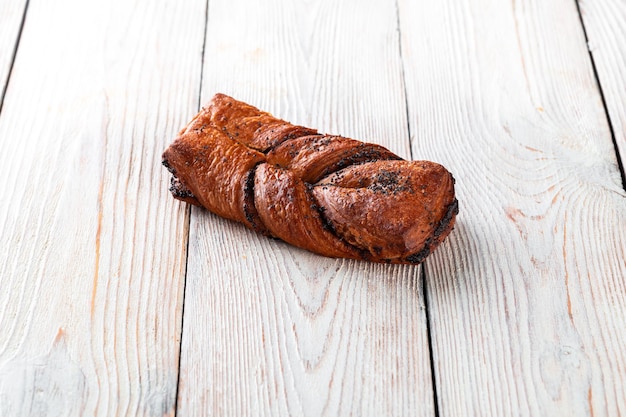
[[92, 249], [605, 23], [11, 12], [269, 329], [527, 298]]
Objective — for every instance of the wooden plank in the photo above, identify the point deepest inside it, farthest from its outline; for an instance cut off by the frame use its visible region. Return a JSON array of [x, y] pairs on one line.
[[92, 249], [11, 13], [605, 23], [270, 329], [527, 299]]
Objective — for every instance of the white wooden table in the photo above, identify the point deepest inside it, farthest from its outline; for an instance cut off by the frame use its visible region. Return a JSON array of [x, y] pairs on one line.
[[115, 299]]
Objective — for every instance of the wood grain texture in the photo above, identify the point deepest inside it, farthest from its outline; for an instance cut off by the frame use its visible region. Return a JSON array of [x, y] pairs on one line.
[[605, 24], [11, 13], [93, 248], [527, 298], [270, 329]]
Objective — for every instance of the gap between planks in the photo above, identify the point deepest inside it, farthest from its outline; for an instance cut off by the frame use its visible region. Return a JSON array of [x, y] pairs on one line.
[[423, 271], [620, 165], [188, 221], [13, 55], [429, 335], [406, 99]]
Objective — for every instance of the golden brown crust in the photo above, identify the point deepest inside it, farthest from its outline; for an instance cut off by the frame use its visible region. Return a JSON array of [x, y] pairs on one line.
[[214, 169], [286, 207], [246, 124], [312, 158], [389, 208], [331, 195]]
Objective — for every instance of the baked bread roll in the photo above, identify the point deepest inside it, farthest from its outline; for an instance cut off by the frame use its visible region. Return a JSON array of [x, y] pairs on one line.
[[328, 194]]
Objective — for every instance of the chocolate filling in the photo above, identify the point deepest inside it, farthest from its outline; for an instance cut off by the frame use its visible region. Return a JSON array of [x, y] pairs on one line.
[[249, 207]]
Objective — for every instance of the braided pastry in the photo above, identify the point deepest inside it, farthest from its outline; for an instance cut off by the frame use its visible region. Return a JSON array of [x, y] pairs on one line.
[[331, 195]]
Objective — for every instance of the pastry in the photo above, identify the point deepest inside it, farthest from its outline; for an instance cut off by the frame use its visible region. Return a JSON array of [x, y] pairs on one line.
[[331, 195]]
